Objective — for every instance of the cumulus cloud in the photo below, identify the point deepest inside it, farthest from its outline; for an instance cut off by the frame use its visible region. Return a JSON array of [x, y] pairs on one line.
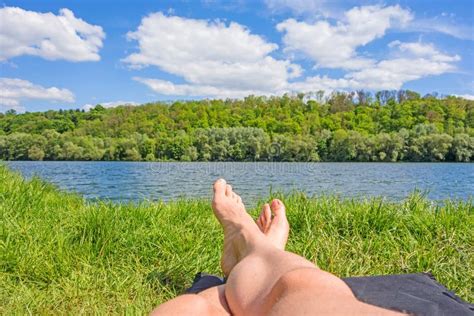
[[112, 104], [48, 35], [444, 23], [213, 58], [13, 91], [426, 50], [216, 59], [414, 61], [334, 45], [169, 88]]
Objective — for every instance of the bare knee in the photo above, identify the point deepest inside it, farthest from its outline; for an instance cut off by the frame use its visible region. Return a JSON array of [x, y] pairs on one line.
[[304, 291], [310, 290], [313, 279]]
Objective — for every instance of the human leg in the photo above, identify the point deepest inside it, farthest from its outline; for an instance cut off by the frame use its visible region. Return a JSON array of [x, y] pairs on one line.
[[273, 224], [263, 279], [194, 304]]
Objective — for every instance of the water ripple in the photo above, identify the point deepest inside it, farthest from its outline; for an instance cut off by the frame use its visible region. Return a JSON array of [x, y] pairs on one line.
[[134, 181]]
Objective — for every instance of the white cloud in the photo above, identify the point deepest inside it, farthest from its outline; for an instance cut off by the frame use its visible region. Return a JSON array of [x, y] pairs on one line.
[[170, 88], [215, 59], [444, 23], [211, 57], [465, 96], [316, 83], [425, 50], [415, 60], [48, 35], [437, 25], [393, 73], [334, 45], [12, 91], [112, 104]]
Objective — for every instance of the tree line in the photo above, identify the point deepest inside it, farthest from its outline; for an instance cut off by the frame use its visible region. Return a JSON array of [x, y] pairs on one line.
[[386, 126]]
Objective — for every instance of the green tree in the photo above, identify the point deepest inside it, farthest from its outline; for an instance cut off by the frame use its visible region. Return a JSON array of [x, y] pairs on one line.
[[433, 147], [35, 153], [393, 126], [463, 147]]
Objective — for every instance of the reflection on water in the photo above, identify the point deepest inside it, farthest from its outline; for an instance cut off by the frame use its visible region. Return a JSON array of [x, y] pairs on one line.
[[125, 181]]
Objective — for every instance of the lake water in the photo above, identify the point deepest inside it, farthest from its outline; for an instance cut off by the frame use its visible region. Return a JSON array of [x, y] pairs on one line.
[[134, 181]]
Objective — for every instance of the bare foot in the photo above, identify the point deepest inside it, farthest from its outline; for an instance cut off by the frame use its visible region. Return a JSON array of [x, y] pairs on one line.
[[240, 231], [276, 228]]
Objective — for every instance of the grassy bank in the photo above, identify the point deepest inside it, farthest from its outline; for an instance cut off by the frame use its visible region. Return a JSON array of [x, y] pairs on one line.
[[60, 254]]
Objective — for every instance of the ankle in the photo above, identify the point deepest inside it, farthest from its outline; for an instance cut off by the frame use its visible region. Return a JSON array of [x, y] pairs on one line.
[[252, 240]]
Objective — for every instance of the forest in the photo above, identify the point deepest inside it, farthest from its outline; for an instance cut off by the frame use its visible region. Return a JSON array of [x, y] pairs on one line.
[[386, 126]]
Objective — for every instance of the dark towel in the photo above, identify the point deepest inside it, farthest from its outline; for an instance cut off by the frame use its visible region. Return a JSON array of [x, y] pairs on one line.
[[418, 293], [203, 281]]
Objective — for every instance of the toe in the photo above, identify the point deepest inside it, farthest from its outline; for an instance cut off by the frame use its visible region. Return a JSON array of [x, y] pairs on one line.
[[278, 208], [219, 187], [259, 223], [228, 190], [261, 219], [267, 217]]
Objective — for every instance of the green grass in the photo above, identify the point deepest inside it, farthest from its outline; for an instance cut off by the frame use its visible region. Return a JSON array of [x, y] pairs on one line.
[[61, 254]]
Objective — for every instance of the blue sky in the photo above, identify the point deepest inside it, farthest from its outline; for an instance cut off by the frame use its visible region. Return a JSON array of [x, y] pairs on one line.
[[73, 54]]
